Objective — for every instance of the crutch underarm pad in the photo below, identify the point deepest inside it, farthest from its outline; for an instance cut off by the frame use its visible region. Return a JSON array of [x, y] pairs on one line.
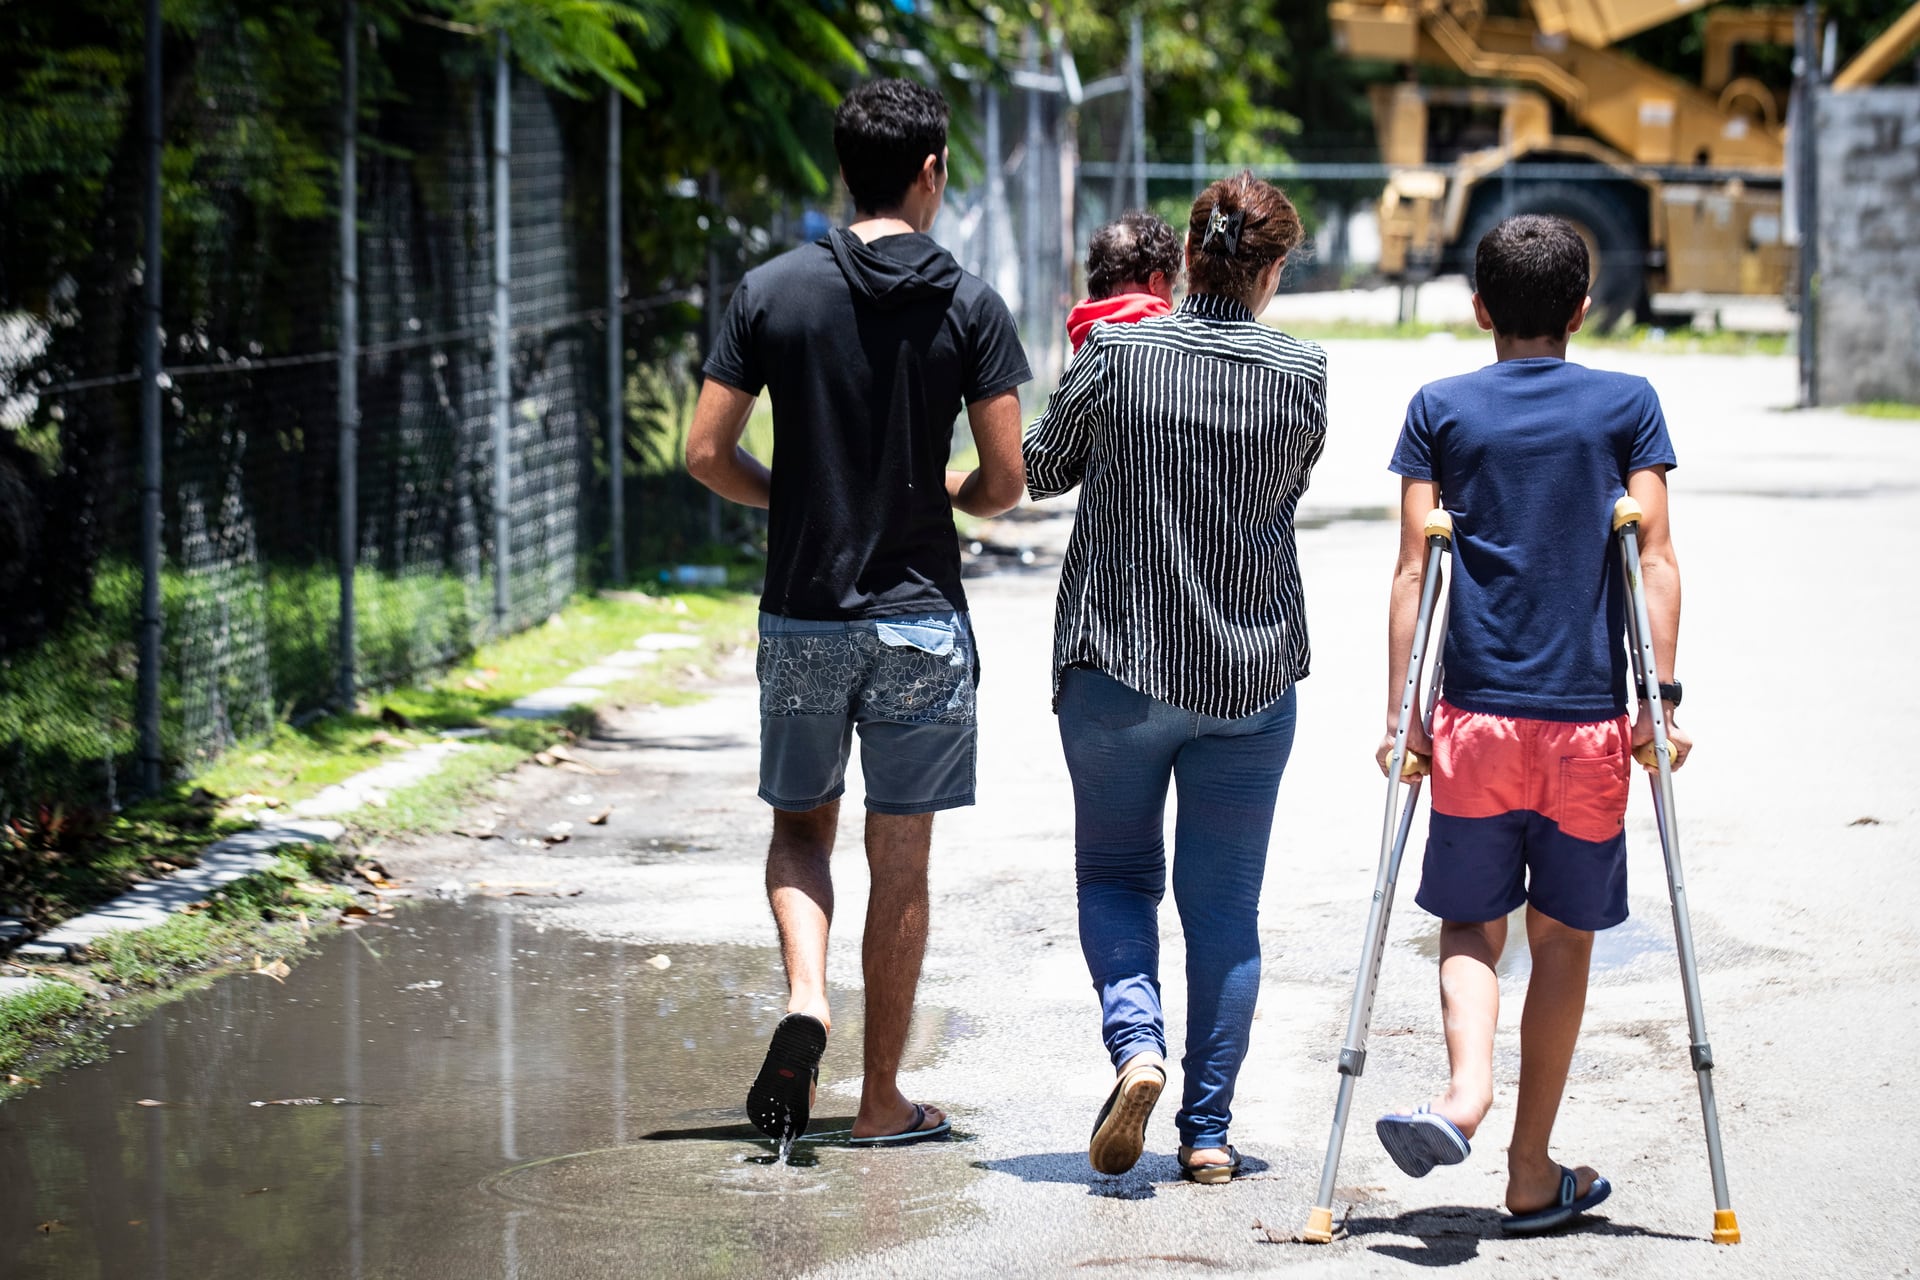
[[1439, 524], [1625, 512]]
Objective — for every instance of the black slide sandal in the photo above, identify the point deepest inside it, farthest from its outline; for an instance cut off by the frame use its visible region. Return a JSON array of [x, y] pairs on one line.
[[778, 1103]]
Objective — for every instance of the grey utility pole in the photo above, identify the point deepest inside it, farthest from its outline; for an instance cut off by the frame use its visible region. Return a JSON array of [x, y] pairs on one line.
[[616, 350], [1032, 292], [148, 684], [502, 342], [349, 375]]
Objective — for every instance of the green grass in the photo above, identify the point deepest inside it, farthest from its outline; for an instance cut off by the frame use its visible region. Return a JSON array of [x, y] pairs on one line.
[[1885, 409], [1636, 338], [26, 1020], [95, 854]]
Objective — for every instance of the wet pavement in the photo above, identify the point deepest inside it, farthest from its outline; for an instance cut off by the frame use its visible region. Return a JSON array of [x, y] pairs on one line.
[[460, 1092]]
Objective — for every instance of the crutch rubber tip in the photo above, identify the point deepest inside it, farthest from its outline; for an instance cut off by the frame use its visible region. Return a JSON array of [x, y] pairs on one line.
[[1625, 512], [1439, 524], [1320, 1227], [1726, 1229]]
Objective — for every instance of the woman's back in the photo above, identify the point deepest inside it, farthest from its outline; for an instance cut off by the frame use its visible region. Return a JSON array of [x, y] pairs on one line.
[[1194, 436]]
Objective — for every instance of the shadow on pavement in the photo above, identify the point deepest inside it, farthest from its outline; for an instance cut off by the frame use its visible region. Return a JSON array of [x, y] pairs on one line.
[[1451, 1234], [1070, 1167]]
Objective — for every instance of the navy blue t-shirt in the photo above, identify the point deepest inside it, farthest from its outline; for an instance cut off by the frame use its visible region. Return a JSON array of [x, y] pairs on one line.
[[1530, 456]]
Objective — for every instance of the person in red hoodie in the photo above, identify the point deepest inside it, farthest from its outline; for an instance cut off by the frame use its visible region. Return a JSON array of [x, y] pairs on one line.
[[1132, 266]]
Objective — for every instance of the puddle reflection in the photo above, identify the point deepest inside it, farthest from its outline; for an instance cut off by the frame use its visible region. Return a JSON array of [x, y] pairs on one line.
[[500, 1138]]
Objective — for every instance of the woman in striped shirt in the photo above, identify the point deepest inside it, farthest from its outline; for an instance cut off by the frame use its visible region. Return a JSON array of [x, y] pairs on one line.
[[1179, 637]]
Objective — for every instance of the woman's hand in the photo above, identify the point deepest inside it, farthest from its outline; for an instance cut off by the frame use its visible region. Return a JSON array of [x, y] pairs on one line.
[[1419, 745]]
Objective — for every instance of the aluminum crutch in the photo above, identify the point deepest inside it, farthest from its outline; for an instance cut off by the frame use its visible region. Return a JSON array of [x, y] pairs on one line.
[[1657, 756], [1401, 766]]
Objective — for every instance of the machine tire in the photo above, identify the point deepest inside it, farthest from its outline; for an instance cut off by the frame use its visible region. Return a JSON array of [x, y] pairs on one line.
[[1619, 284]]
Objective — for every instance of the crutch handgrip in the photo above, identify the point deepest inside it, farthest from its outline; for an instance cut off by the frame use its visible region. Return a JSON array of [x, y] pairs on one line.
[[1415, 766], [1625, 512], [1439, 525]]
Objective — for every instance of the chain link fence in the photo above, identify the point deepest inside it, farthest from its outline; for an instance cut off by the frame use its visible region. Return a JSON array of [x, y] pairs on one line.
[[260, 452]]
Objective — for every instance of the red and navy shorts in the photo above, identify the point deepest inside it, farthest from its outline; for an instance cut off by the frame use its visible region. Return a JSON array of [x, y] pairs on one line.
[[1527, 811]]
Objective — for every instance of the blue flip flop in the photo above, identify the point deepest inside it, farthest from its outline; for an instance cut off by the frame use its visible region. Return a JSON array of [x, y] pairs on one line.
[[1562, 1211], [908, 1136], [1422, 1140]]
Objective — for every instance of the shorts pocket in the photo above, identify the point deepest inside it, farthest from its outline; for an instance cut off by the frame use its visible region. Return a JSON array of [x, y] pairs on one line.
[[1593, 797], [936, 638]]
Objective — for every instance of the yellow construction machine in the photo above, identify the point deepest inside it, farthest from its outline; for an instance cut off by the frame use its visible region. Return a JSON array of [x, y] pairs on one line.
[[1675, 186]]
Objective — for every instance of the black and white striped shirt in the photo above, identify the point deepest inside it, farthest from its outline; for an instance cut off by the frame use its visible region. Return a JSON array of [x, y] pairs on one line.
[[1193, 436]]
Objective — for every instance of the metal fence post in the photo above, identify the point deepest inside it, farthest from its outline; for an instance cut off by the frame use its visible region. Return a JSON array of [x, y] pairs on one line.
[[1806, 195], [349, 376], [148, 686], [1032, 300], [1137, 110], [616, 347], [502, 342]]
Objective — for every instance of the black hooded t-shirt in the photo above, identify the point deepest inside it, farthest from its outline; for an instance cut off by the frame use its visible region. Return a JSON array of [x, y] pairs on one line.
[[867, 352]]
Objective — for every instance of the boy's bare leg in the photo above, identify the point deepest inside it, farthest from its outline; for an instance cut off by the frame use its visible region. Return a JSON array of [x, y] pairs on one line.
[[890, 955], [1469, 1010], [800, 890], [1549, 1025]]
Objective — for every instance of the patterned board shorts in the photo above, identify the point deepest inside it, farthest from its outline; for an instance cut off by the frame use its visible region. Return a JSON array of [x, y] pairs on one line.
[[906, 683], [1527, 811]]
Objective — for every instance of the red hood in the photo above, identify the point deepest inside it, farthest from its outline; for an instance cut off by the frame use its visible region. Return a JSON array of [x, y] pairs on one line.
[[1121, 308]]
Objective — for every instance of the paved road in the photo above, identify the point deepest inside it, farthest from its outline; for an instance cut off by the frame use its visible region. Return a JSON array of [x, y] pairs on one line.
[[1801, 823]]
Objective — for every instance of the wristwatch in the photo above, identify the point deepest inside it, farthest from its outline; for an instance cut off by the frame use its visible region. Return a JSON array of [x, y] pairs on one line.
[[1669, 692]]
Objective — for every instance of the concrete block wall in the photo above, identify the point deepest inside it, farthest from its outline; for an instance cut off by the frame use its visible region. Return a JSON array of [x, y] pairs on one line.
[[1869, 245]]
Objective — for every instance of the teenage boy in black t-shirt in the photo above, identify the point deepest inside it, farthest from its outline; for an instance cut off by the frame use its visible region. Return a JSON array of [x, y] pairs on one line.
[[867, 342]]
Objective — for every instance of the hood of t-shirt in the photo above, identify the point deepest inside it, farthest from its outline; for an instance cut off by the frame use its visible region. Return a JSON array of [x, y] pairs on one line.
[[895, 271], [1121, 308]]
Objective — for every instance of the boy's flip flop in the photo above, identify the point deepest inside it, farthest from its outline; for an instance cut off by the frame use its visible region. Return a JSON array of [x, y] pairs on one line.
[[1422, 1140], [1561, 1211], [778, 1103], [908, 1136]]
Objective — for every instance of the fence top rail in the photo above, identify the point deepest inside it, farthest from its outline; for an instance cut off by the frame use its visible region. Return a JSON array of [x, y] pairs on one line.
[[261, 364]]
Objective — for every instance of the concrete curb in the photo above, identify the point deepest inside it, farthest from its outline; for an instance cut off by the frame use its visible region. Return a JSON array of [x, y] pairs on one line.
[[147, 905], [10, 987]]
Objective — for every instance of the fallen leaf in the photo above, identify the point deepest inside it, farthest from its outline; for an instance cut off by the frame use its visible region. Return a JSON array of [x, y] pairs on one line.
[[660, 962], [257, 1191], [398, 719], [431, 984], [50, 1226], [477, 833], [355, 910], [475, 683], [164, 868], [382, 738], [600, 819], [310, 886], [149, 1102], [574, 766], [136, 1222], [556, 837], [370, 872], [278, 970], [201, 798], [546, 758], [1864, 822], [19, 1081]]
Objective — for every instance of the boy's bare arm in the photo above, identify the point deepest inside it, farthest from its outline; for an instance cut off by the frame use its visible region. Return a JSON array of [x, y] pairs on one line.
[[1660, 579], [714, 455], [1418, 498], [994, 487]]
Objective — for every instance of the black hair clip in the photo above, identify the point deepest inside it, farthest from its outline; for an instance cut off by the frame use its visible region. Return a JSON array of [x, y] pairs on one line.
[[1223, 231]]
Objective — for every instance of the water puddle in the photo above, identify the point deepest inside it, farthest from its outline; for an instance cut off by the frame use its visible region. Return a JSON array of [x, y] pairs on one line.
[[1614, 948], [528, 1103]]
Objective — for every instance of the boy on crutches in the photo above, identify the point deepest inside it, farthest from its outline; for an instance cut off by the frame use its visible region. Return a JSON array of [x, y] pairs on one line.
[[1531, 742]]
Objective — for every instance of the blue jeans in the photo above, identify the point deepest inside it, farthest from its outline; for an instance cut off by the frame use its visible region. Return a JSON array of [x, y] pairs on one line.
[[1122, 748]]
